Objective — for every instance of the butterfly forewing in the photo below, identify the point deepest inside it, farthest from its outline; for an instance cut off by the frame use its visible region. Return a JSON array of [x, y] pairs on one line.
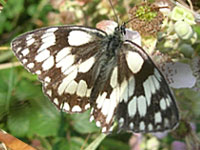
[[146, 102], [63, 58]]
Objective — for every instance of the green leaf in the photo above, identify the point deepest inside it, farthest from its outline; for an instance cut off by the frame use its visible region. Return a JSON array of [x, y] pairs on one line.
[[38, 117], [3, 2], [197, 29], [96, 142], [81, 123], [8, 82], [27, 90], [190, 99], [112, 144], [44, 119], [18, 122], [61, 144], [6, 55], [13, 8], [76, 143]]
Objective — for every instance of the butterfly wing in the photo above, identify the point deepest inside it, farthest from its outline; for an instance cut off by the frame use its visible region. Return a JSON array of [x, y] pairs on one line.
[[63, 58], [130, 88], [146, 102]]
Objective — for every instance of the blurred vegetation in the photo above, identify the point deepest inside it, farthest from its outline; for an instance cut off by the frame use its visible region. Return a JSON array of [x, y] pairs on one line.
[[27, 114]]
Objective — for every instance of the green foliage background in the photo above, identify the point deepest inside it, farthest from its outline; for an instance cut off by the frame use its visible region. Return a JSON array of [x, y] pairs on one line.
[[24, 111]]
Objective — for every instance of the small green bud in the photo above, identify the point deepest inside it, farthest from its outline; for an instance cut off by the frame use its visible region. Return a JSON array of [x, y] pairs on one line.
[[183, 30]]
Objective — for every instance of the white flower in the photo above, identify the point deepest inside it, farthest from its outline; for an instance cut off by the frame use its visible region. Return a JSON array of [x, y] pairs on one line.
[[178, 75]]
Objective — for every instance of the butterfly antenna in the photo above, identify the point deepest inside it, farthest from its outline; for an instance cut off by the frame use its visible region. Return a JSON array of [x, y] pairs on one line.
[[125, 23], [117, 20]]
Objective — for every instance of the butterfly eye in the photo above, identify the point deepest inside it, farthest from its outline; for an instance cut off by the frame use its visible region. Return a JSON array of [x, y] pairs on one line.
[[117, 28], [123, 30]]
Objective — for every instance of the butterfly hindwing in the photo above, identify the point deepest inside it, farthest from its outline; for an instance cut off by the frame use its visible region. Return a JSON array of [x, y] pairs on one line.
[[146, 102], [63, 58]]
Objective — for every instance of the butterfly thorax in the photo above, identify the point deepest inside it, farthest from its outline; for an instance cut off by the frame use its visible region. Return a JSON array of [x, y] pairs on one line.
[[107, 61], [115, 40]]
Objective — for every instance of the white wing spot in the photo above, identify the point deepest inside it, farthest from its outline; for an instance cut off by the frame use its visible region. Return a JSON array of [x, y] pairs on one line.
[[142, 125], [105, 106], [47, 79], [91, 118], [53, 29], [168, 99], [76, 108], [132, 107], [100, 100], [48, 63], [131, 86], [147, 91], [142, 106], [121, 122], [113, 80], [113, 103], [111, 129], [166, 121], [24, 61], [131, 125], [30, 41], [48, 40], [42, 55], [82, 88], [70, 69], [25, 52], [65, 82], [151, 85], [134, 61], [89, 30], [98, 124], [65, 63], [55, 100], [158, 127], [29, 37], [87, 106], [71, 88], [38, 72], [86, 65], [18, 49], [63, 53], [156, 83], [158, 117], [30, 65], [163, 105], [66, 106], [88, 92], [124, 91], [77, 38], [157, 74], [150, 127], [104, 129], [49, 92]]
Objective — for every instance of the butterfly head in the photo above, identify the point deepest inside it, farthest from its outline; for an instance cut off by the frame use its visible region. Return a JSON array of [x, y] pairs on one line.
[[121, 29]]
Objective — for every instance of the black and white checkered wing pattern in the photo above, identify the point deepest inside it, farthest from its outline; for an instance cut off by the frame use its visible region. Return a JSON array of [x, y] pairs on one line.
[[82, 67], [146, 102], [63, 58]]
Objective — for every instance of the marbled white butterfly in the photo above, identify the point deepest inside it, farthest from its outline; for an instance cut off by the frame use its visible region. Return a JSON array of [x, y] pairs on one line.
[[82, 67]]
